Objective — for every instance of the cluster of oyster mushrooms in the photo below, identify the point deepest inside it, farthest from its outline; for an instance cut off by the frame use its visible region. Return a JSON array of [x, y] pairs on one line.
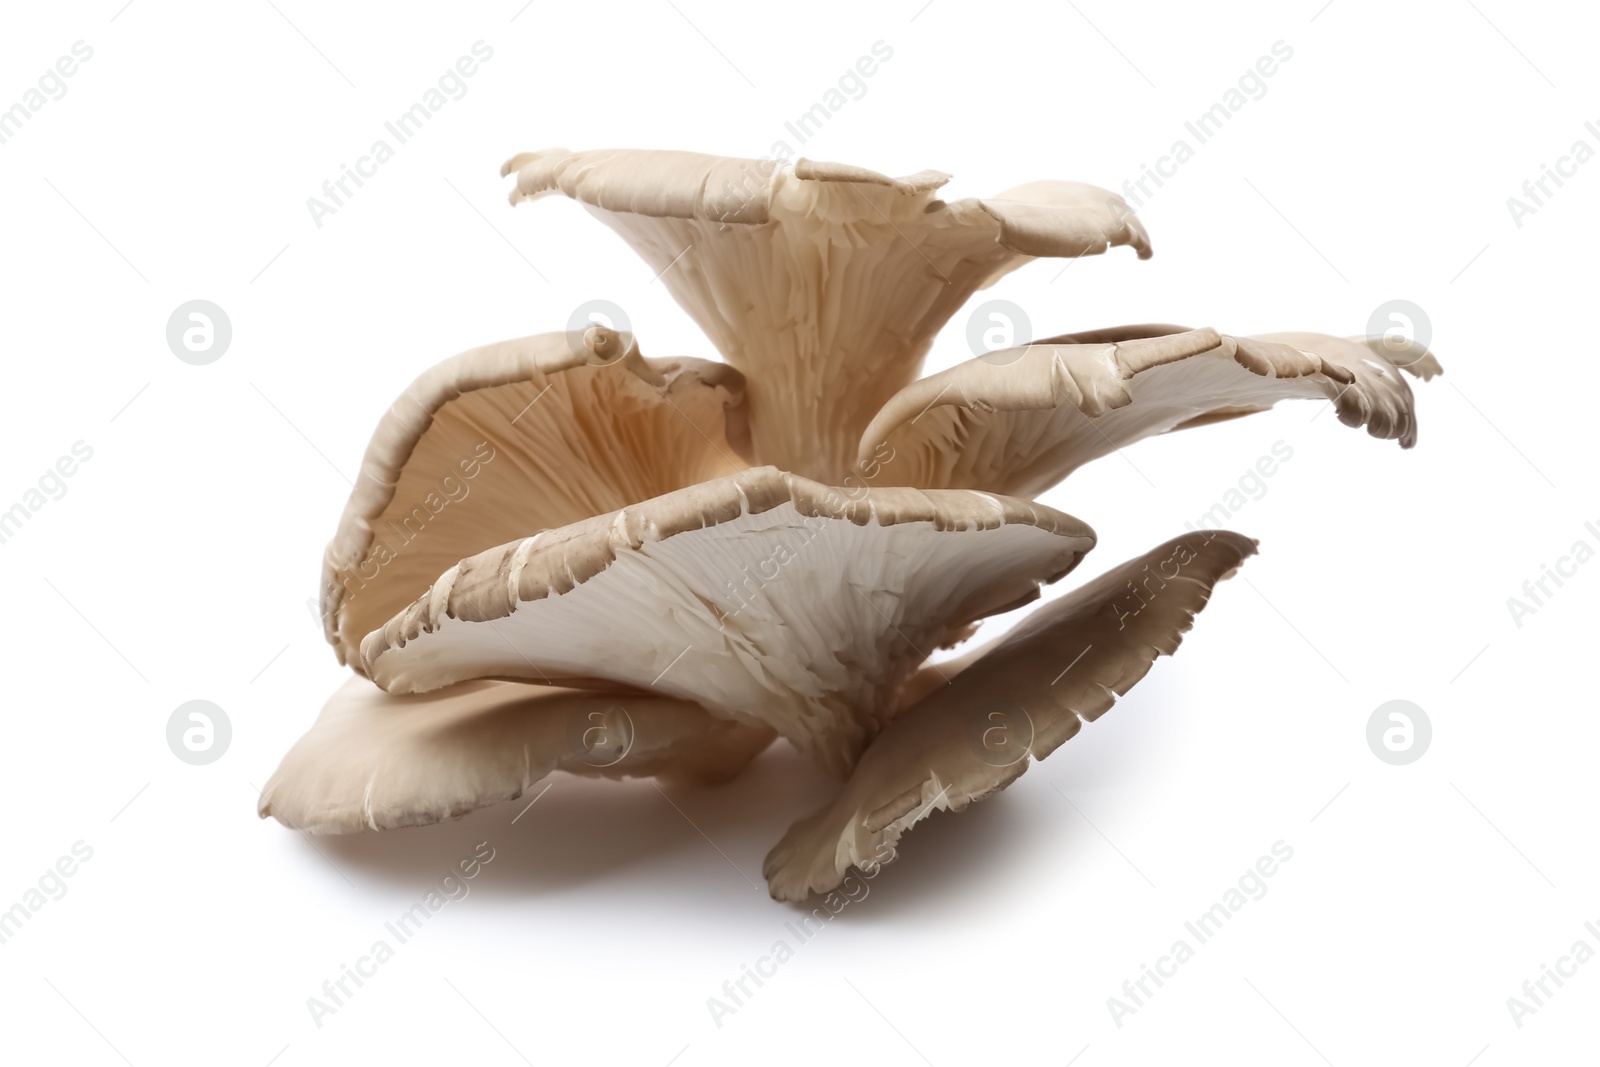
[[563, 555]]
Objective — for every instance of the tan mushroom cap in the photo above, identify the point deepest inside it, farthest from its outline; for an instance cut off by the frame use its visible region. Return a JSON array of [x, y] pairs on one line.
[[1019, 420], [512, 438], [762, 596], [1021, 697], [824, 283], [374, 761]]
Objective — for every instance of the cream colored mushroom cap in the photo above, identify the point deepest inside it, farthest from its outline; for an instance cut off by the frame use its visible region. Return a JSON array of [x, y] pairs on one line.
[[824, 283], [1014, 701], [374, 761], [512, 438], [762, 596], [1020, 420]]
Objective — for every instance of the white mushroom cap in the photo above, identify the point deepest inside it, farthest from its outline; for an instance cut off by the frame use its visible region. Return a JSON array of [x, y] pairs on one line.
[[824, 283], [762, 596], [1019, 420], [374, 761], [1017, 699], [513, 438]]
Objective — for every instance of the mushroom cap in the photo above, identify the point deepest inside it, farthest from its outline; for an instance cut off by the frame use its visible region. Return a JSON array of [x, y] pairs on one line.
[[374, 761], [762, 596], [1020, 697], [1019, 420], [823, 283], [512, 438]]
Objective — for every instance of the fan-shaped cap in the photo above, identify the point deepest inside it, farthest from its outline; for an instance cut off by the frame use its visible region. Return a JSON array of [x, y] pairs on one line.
[[762, 596], [374, 761], [1021, 697], [824, 283], [513, 438], [1019, 420]]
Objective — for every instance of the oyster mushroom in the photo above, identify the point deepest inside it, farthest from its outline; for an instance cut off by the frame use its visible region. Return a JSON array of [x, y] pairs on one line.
[[373, 761], [763, 596], [1020, 420], [1018, 698], [721, 553], [824, 283], [517, 437]]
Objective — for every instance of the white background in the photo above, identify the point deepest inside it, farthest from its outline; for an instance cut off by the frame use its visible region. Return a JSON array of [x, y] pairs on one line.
[[179, 562]]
